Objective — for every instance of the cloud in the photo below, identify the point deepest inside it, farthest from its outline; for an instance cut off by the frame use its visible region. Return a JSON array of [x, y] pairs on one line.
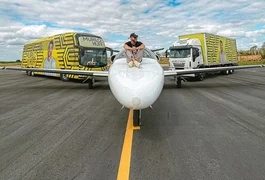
[[158, 23]]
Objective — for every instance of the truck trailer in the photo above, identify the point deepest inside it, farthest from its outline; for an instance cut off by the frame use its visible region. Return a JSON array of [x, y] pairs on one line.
[[202, 50]]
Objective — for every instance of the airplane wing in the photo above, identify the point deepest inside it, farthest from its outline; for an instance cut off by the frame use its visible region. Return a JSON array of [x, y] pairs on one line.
[[205, 70], [61, 71], [154, 50]]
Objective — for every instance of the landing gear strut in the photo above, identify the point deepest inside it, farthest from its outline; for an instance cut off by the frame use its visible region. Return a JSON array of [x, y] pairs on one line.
[[90, 83], [178, 81], [136, 117]]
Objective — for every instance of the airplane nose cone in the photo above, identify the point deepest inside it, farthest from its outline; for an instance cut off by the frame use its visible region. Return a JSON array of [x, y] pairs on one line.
[[136, 101]]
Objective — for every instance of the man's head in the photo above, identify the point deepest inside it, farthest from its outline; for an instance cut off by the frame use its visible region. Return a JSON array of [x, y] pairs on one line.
[[133, 37], [50, 47], [221, 46]]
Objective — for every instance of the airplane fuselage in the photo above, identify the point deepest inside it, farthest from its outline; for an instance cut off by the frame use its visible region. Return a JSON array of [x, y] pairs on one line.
[[136, 88]]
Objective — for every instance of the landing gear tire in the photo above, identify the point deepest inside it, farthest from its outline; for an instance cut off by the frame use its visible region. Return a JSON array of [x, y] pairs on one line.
[[90, 84], [64, 77], [136, 117], [200, 76], [178, 81]]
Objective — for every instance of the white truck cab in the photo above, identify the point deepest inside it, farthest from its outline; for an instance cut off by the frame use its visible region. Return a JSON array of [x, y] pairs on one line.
[[185, 54]]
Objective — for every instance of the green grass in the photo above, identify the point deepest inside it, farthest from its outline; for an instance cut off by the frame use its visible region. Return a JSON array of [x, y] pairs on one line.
[[9, 63], [251, 63]]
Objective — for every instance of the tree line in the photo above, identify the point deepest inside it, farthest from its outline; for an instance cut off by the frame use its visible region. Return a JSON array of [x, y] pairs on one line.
[[254, 50]]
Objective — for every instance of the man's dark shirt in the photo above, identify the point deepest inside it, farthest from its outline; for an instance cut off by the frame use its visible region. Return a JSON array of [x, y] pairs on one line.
[[137, 44]]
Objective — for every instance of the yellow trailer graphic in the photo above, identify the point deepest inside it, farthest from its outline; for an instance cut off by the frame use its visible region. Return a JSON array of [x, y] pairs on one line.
[[215, 49]]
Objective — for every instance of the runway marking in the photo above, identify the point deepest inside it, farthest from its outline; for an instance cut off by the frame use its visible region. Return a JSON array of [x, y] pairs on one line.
[[125, 161]]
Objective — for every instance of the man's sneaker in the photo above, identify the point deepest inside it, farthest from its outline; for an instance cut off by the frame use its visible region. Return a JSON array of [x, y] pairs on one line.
[[130, 64], [137, 64]]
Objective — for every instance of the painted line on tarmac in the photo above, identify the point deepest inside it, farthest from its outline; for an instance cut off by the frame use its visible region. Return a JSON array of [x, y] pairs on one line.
[[125, 161]]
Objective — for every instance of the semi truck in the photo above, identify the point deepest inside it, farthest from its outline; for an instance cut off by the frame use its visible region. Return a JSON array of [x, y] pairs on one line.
[[73, 51], [202, 50]]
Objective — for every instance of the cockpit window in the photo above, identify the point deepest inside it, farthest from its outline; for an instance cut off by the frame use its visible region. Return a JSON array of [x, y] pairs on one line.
[[147, 54]]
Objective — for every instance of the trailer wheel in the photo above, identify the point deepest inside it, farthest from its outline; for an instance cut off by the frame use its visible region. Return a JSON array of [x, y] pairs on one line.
[[28, 73], [64, 77], [231, 71], [31, 73], [226, 72]]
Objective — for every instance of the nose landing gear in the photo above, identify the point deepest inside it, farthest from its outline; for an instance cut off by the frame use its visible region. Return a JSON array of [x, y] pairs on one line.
[[136, 117]]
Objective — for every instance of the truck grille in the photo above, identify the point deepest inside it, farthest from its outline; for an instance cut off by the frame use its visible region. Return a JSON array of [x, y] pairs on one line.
[[179, 65]]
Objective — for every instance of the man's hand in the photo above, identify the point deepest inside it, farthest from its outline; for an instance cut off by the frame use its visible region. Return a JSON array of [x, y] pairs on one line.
[[134, 49]]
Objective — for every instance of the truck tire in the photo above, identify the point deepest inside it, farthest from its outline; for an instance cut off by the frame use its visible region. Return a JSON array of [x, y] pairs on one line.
[[64, 77], [226, 72]]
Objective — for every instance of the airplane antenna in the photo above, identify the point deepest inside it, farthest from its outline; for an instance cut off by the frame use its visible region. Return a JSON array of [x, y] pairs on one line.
[[122, 108], [152, 108]]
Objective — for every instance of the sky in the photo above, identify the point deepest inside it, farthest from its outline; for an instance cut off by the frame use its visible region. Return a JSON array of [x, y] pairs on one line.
[[158, 23]]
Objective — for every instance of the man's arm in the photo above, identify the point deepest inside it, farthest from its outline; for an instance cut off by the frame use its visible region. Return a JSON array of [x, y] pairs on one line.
[[127, 47], [141, 47]]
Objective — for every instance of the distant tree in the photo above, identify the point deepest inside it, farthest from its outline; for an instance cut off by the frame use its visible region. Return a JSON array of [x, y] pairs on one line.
[[263, 46], [253, 50], [18, 60]]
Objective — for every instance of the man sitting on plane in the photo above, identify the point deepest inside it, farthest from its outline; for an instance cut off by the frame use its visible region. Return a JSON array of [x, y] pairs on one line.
[[134, 51]]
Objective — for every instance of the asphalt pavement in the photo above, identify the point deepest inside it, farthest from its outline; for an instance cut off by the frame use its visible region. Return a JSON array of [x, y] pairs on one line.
[[211, 129]]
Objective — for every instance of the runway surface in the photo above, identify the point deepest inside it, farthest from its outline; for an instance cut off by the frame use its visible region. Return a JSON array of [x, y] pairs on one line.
[[214, 129]]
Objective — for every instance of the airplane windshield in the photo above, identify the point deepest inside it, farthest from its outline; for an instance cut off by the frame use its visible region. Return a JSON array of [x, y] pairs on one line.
[[147, 54], [93, 57], [180, 53]]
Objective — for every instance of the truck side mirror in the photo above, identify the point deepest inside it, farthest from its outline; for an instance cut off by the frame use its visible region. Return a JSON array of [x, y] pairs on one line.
[[195, 53]]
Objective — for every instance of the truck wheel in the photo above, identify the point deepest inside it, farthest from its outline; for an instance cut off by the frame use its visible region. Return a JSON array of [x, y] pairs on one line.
[[31, 73], [64, 77], [226, 72], [28, 73], [231, 71]]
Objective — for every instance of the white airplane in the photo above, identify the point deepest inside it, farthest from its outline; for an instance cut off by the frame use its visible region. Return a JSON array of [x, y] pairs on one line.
[[135, 88]]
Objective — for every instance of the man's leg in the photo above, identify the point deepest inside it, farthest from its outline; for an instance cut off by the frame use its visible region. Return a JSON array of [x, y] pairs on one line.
[[139, 55], [129, 55]]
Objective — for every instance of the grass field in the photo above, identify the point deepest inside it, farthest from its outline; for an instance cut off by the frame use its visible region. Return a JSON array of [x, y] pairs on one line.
[[9, 63], [251, 63]]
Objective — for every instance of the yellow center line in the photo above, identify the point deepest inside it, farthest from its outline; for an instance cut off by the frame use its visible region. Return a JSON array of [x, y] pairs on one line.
[[125, 161]]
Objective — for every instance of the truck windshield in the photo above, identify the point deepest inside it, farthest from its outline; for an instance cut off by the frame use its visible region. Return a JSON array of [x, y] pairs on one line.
[[179, 53], [93, 57]]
